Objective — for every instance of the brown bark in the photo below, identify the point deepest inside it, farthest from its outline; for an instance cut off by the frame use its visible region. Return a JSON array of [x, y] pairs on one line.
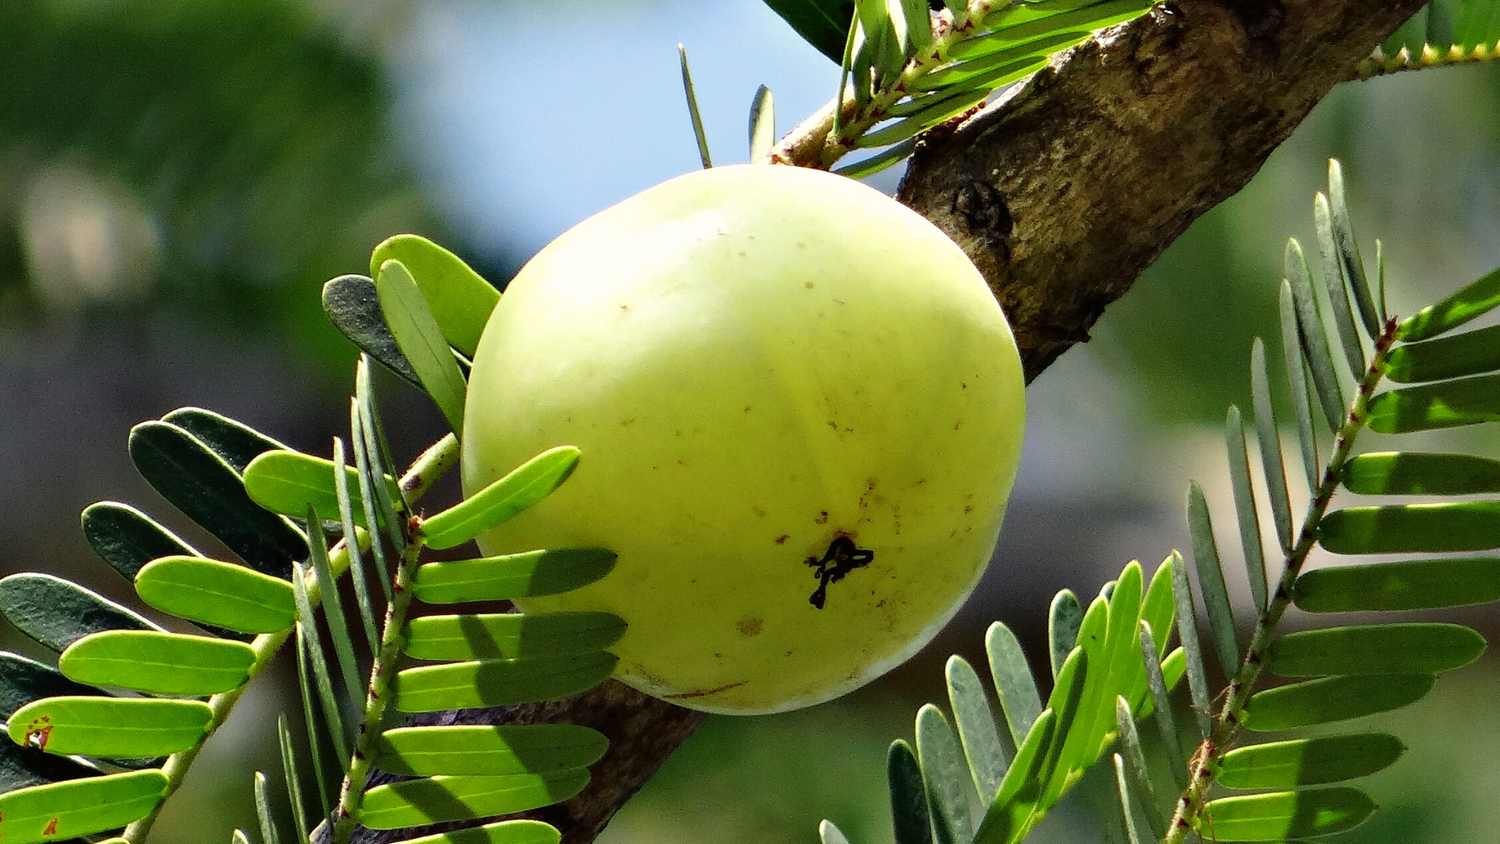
[[1061, 193]]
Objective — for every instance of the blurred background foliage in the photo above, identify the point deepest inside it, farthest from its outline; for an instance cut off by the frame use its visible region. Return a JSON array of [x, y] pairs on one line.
[[178, 178]]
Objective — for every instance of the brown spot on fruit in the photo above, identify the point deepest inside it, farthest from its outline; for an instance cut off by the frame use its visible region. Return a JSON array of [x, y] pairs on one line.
[[822, 519], [809, 285], [749, 625], [781, 540]]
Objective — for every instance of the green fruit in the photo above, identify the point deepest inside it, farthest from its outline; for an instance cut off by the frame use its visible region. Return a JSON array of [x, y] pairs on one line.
[[800, 412]]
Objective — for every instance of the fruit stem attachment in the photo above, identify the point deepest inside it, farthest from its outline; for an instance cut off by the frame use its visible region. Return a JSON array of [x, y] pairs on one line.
[[1204, 764]]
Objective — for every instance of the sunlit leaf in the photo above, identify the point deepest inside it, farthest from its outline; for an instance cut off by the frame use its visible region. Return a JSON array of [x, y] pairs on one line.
[[1414, 648], [440, 799], [221, 594], [263, 812], [762, 124], [64, 810], [1470, 353], [501, 832], [1304, 762], [512, 576], [120, 728], [57, 613], [158, 663], [1473, 301], [1278, 816], [1330, 699], [499, 682], [421, 339], [488, 750], [511, 635], [460, 300], [24, 680], [1446, 404], [1404, 585], [524, 486], [128, 539], [288, 482], [336, 622], [828, 833], [1421, 473], [1135, 831], [1022, 785], [1392, 529]]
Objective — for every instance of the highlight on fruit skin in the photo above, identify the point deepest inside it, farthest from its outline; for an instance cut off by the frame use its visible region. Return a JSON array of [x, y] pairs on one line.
[[800, 413]]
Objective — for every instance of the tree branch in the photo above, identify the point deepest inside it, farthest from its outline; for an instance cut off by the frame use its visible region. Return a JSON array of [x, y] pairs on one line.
[[1062, 193]]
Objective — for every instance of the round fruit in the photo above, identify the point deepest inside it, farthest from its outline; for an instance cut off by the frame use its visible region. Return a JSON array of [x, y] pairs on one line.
[[800, 413]]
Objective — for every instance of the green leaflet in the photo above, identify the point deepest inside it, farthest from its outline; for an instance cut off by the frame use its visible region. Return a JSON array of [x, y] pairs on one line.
[[822, 23], [1314, 341], [978, 730], [909, 813], [1451, 526], [64, 810], [268, 831], [1337, 290], [120, 728], [221, 594], [233, 441], [1161, 706], [1135, 831], [209, 491], [1271, 460], [1211, 581], [1192, 653], [128, 539], [24, 680], [1420, 648], [488, 750], [524, 486], [21, 767], [57, 613], [460, 300], [1063, 619], [1076, 684], [1421, 473], [421, 340], [1005, 818], [1304, 762], [1473, 301], [503, 832], [512, 576], [353, 306], [1446, 404], [1470, 353], [1350, 265], [763, 122], [440, 799], [158, 663], [511, 635], [828, 833], [1132, 773], [289, 482], [1403, 585], [944, 777], [1296, 370], [1332, 699], [1286, 814], [1013, 681], [499, 682]]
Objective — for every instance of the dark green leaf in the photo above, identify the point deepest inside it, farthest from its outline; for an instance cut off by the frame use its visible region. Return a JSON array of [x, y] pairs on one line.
[[1330, 699], [460, 300], [235, 442], [122, 728], [1446, 404], [822, 23], [342, 486], [694, 114], [353, 307], [1338, 292], [1270, 447], [421, 339], [1304, 762], [1135, 831], [1063, 620], [488, 750], [1404, 585], [268, 833], [1314, 340], [128, 539], [1418, 648], [288, 482], [21, 767], [1287, 814], [1161, 706], [1291, 348], [24, 680], [1394, 529], [57, 613], [512, 576], [524, 486], [65, 810], [372, 494], [1473, 301], [440, 799], [1421, 473], [289, 761], [1132, 773], [875, 163], [987, 754], [499, 682], [1187, 631], [221, 594], [511, 635], [1244, 507], [501, 832], [201, 485], [158, 663], [1211, 581], [1013, 681], [1470, 353], [1346, 248], [310, 645], [333, 608], [944, 778], [908, 798]]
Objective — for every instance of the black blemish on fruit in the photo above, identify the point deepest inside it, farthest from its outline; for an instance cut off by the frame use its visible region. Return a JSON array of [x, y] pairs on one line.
[[843, 556]]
